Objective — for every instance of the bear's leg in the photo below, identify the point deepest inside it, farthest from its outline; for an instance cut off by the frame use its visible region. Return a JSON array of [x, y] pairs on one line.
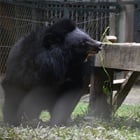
[[64, 107], [38, 99], [13, 98]]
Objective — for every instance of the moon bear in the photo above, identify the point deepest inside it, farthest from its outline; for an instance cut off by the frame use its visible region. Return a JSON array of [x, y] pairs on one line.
[[46, 70]]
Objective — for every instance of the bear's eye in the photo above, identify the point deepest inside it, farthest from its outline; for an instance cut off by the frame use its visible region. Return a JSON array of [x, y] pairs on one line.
[[83, 43]]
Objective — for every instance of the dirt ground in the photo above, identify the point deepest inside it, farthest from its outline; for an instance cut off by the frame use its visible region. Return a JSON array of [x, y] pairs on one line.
[[132, 98]]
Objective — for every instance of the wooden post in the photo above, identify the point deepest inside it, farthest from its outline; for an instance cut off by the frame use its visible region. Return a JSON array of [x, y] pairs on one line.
[[98, 105], [125, 22]]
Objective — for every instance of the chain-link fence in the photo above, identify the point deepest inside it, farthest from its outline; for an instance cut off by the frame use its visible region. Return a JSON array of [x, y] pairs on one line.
[[19, 18]]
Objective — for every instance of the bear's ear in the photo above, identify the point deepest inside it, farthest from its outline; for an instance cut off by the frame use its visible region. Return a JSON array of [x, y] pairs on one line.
[[50, 39]]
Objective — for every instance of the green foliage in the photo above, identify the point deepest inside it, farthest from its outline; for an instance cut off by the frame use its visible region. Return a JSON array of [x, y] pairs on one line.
[[81, 109], [124, 126]]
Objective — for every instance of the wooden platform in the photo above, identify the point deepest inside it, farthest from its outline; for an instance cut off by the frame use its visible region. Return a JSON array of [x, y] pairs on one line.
[[124, 56], [116, 56]]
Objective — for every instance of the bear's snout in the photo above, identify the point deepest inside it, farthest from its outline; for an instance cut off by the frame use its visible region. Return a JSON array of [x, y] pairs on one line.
[[93, 45]]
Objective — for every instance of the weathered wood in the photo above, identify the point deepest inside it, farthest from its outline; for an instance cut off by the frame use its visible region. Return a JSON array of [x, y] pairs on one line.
[[124, 90], [118, 81], [124, 56], [117, 84], [98, 105]]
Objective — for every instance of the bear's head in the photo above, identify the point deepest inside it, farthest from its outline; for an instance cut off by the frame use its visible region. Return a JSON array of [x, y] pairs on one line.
[[67, 36]]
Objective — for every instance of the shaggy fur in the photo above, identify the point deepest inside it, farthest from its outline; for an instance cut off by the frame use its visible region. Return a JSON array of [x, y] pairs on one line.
[[46, 70]]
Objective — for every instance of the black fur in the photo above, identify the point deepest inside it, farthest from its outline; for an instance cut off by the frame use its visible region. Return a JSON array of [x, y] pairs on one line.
[[46, 70]]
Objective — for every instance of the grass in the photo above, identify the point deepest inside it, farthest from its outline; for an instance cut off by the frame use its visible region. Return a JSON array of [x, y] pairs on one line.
[[125, 125]]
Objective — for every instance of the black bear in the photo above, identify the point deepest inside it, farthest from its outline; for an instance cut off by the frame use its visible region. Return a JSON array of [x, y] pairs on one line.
[[46, 69]]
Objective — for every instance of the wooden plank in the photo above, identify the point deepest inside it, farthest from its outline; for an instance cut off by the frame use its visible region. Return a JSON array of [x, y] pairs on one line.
[[117, 84], [124, 56], [118, 81]]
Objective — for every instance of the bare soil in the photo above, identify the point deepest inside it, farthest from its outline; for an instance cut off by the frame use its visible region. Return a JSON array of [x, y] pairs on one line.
[[133, 96]]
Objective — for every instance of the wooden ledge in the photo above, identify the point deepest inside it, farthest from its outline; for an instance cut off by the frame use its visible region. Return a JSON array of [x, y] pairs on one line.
[[123, 56]]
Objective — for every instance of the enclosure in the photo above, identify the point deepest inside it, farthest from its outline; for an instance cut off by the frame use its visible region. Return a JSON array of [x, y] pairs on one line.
[[17, 18]]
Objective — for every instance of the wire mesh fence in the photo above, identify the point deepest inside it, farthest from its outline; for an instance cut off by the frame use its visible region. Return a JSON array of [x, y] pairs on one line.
[[19, 18]]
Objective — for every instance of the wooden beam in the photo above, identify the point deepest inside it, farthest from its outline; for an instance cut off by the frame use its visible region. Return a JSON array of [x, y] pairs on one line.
[[124, 90], [124, 56]]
